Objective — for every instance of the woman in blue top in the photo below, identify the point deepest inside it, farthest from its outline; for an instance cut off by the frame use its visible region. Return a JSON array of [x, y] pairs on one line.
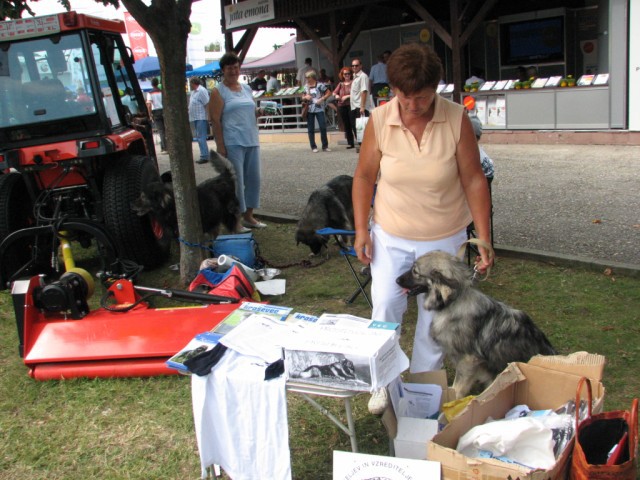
[[316, 94], [233, 113]]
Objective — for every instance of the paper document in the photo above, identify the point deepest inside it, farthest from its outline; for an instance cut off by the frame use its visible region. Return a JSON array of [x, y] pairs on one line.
[[416, 400], [258, 336]]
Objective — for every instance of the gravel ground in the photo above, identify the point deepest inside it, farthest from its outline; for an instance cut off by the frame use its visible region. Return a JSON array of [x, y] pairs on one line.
[[581, 200]]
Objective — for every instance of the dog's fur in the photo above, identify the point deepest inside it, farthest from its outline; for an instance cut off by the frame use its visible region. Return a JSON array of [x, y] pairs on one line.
[[477, 333], [330, 206], [217, 198]]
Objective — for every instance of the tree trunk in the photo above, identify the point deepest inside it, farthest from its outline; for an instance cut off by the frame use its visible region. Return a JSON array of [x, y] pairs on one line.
[[167, 23]]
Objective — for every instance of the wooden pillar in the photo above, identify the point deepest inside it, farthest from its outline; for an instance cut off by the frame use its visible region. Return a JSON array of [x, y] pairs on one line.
[[456, 62]]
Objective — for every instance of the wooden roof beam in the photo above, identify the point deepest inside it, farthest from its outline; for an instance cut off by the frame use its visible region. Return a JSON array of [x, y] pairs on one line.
[[431, 22], [477, 19], [243, 45]]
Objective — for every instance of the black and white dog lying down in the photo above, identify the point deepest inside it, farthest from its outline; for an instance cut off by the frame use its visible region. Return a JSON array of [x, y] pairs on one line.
[[330, 206], [216, 196], [477, 333]]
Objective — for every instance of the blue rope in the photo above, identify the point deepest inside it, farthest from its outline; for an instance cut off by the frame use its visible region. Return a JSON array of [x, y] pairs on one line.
[[199, 245]]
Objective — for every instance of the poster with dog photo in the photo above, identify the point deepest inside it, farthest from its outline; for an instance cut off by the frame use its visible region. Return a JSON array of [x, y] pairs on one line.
[[335, 370], [354, 358]]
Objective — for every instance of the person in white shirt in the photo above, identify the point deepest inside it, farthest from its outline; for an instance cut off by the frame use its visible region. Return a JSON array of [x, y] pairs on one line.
[[378, 74], [156, 111], [302, 72], [361, 102], [273, 84]]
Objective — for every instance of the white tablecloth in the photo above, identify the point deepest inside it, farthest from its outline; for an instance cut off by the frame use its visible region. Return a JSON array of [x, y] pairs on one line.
[[241, 420]]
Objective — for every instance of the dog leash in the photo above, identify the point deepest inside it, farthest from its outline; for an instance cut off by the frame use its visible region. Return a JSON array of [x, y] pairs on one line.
[[481, 243]]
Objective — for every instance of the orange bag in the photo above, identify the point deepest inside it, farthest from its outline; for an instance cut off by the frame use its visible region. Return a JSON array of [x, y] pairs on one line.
[[606, 444]]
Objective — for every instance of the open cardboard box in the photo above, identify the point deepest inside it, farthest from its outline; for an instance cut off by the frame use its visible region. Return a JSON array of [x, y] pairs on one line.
[[410, 435], [543, 383]]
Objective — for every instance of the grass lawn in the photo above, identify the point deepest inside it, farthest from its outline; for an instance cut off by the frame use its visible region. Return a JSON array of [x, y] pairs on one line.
[[143, 428]]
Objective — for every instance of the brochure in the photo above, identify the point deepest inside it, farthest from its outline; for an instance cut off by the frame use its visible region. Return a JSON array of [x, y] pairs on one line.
[[259, 336], [415, 400], [304, 318], [202, 342], [344, 320], [245, 310]]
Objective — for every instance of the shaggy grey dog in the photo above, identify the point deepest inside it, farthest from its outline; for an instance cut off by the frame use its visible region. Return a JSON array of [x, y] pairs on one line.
[[477, 333], [217, 198], [330, 206]]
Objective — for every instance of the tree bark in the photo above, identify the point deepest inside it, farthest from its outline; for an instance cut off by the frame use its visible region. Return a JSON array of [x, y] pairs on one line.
[[167, 23]]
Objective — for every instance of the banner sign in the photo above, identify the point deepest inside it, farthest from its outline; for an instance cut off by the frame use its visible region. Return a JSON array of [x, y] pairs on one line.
[[137, 37], [247, 13]]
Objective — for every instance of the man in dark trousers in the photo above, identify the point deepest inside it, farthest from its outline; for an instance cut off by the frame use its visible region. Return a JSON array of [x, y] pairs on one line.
[[154, 104]]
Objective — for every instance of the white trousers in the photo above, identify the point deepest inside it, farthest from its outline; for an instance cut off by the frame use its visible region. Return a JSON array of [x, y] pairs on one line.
[[393, 256]]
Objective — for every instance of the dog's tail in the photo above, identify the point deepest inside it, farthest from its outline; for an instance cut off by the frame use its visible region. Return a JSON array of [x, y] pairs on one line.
[[222, 165]]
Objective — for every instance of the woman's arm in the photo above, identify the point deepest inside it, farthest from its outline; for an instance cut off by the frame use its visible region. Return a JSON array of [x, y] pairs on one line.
[[216, 105], [364, 180], [475, 187]]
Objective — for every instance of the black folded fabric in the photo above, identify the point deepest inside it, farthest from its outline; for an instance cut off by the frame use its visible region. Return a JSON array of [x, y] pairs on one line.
[[202, 363], [274, 370]]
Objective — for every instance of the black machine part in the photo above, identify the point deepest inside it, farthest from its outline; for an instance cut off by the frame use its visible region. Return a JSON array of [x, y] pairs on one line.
[[68, 294]]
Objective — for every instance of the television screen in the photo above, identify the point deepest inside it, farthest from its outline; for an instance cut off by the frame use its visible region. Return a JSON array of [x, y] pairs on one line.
[[532, 41]]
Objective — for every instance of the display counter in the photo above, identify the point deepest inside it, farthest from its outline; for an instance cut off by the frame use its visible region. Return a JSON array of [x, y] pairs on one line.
[[557, 108]]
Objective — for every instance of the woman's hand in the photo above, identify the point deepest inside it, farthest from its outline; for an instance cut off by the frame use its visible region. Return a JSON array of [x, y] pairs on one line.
[[363, 247]]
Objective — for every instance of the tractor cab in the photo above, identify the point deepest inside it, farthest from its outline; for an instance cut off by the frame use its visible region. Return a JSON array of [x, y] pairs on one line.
[[76, 141], [66, 85]]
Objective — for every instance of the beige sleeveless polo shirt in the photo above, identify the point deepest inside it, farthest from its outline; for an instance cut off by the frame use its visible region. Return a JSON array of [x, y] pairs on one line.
[[419, 194]]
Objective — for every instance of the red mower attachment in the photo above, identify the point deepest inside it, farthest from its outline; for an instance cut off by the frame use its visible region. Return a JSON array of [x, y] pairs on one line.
[[124, 338]]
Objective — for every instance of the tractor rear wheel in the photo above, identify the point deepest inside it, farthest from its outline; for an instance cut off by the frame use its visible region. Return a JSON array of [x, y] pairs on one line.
[[16, 213], [139, 238]]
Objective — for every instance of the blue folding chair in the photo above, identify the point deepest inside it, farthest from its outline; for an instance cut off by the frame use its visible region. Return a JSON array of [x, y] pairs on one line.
[[347, 252]]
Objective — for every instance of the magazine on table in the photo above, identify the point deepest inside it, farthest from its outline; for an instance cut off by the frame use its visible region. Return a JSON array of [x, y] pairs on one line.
[[202, 342], [245, 310], [259, 336], [344, 320], [301, 318]]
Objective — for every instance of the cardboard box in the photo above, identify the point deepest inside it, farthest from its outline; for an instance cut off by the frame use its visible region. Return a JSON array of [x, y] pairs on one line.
[[543, 383], [411, 435]]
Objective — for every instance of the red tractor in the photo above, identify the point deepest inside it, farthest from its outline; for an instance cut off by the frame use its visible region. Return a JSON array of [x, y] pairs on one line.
[[76, 144]]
